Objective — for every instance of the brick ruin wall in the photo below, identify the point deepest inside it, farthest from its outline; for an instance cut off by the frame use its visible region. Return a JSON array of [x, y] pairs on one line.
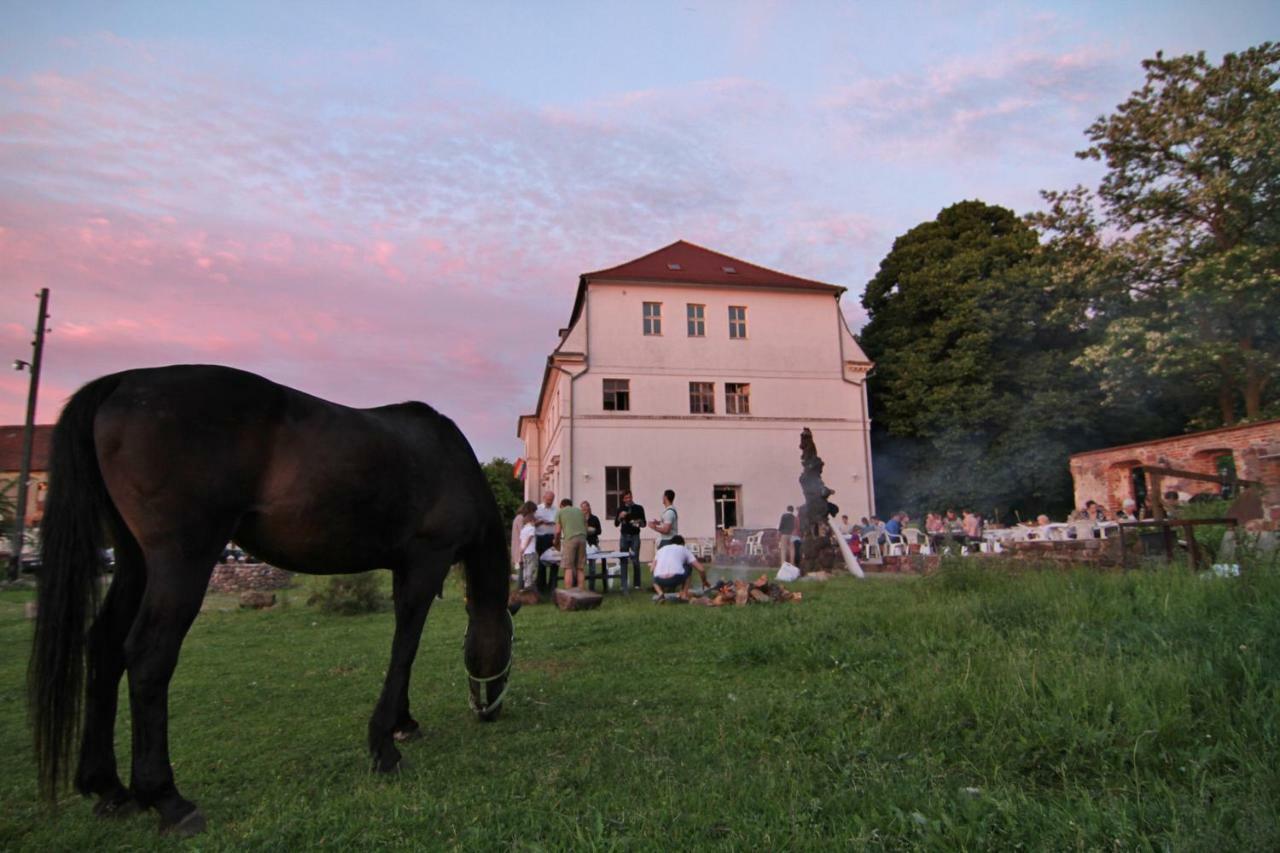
[[1104, 475], [243, 577]]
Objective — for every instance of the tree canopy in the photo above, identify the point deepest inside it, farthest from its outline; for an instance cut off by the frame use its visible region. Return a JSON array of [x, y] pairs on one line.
[[1186, 288], [1133, 311], [507, 490], [974, 398]]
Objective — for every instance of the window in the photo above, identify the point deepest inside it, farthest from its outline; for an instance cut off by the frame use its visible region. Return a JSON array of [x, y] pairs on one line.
[[702, 398], [737, 398], [617, 482], [697, 321], [617, 395], [653, 318], [737, 321]]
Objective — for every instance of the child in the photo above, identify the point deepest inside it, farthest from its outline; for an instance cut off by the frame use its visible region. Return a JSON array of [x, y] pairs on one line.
[[528, 547]]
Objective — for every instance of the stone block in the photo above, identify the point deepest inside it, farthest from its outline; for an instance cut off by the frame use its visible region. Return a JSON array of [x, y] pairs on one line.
[[578, 599], [257, 600]]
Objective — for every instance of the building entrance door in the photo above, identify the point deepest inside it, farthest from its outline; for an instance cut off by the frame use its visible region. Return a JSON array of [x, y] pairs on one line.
[[728, 500]]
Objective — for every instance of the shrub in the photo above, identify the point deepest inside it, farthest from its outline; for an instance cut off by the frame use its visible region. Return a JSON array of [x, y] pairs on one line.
[[348, 595]]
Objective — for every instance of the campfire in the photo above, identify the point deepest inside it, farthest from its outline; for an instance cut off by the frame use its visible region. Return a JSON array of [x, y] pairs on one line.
[[742, 593]]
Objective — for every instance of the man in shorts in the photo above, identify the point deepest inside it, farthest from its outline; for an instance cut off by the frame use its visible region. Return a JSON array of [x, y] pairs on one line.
[[571, 530], [671, 569]]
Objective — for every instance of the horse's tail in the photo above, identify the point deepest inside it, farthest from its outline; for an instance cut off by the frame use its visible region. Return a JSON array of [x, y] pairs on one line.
[[67, 586]]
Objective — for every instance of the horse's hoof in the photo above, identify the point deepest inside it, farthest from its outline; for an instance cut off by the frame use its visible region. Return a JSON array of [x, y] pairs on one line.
[[488, 716], [193, 823], [406, 735], [116, 807], [390, 769]]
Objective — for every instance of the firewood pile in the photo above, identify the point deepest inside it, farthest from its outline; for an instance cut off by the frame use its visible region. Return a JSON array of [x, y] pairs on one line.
[[741, 593]]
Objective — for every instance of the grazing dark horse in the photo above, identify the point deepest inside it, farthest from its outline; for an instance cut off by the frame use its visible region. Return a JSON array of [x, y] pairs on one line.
[[171, 463]]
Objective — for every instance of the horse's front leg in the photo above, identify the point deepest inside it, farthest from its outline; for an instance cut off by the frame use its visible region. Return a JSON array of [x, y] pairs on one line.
[[414, 587]]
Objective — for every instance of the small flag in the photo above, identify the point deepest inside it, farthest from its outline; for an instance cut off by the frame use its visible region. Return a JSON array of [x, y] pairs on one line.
[[518, 469]]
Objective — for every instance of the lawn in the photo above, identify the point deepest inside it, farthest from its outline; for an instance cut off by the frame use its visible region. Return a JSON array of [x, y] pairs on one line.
[[967, 710]]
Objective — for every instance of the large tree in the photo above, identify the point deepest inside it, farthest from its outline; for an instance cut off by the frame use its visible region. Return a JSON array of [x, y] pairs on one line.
[[507, 490], [1186, 287], [974, 400]]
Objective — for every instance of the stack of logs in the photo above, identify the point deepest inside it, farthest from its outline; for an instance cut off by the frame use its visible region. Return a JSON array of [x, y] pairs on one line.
[[742, 593]]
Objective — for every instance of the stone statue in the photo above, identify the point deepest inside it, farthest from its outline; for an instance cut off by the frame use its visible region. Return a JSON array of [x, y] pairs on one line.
[[817, 550]]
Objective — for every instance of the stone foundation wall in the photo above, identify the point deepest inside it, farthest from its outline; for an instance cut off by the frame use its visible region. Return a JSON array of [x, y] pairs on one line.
[[242, 577], [1098, 553]]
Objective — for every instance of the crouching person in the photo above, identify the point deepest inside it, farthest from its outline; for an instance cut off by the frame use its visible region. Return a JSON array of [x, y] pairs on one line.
[[671, 569]]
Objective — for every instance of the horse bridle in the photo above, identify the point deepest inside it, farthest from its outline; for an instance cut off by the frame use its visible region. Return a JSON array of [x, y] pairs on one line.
[[484, 683]]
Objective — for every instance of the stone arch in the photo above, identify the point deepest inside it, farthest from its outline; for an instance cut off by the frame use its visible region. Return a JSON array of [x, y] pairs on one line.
[[1209, 461], [1120, 485]]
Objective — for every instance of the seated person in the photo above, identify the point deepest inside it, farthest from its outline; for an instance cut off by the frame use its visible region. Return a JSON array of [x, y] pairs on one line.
[[1128, 511], [893, 527], [671, 569], [972, 527]]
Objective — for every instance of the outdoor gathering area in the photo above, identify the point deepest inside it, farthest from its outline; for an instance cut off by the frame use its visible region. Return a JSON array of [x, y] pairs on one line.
[[964, 709]]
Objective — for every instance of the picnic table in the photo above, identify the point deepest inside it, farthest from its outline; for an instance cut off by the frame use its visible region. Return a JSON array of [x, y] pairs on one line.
[[551, 559]]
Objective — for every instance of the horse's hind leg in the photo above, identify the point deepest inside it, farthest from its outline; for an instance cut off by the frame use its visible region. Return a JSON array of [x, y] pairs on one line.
[[176, 581], [415, 585], [97, 773]]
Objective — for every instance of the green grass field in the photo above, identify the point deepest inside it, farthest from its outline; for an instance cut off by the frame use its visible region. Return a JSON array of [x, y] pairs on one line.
[[967, 710]]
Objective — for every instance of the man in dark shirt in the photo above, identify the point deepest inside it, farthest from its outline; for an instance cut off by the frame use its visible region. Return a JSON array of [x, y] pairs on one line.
[[629, 521], [787, 530]]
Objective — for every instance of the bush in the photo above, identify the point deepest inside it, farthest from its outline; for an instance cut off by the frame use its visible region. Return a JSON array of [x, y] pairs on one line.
[[349, 595]]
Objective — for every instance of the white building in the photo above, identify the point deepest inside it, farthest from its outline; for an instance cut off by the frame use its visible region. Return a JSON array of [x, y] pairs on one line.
[[690, 370]]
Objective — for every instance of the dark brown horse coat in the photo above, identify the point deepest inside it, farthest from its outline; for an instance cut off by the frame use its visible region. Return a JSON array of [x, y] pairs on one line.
[[171, 463]]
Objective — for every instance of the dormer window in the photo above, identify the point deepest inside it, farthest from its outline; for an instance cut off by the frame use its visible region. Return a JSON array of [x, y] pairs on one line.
[[674, 267], [730, 270]]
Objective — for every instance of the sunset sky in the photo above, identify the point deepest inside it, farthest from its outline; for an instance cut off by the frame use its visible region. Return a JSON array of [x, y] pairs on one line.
[[376, 202]]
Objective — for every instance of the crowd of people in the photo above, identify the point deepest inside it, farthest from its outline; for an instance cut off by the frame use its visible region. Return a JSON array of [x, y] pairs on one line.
[[572, 530]]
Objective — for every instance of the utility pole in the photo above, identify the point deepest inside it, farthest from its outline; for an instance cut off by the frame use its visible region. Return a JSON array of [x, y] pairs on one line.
[[28, 434]]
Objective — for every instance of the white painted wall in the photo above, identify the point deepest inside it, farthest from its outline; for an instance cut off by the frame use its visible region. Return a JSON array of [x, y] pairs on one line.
[[797, 358]]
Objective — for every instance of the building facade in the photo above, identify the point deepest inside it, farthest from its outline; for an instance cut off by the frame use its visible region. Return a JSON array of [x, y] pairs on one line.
[[690, 370], [11, 469]]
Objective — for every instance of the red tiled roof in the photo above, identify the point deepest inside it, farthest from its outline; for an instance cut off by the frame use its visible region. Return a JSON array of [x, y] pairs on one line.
[[689, 264], [695, 265], [11, 447]]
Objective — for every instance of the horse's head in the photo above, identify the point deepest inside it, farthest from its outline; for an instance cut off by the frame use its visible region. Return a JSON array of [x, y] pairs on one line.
[[487, 655]]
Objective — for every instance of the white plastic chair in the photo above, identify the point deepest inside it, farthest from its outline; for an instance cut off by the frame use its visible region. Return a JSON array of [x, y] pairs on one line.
[[755, 548], [1083, 529], [871, 548], [897, 544], [915, 537]]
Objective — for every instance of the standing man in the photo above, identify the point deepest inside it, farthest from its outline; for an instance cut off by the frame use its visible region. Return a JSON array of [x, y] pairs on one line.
[[571, 530], [544, 519], [668, 525], [786, 529], [629, 521]]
